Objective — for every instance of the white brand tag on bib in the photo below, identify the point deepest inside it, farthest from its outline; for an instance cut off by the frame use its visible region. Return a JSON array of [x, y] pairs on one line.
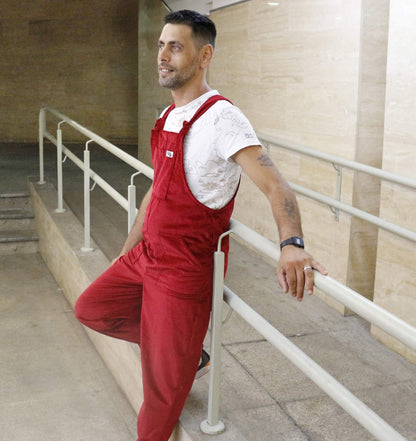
[[169, 154]]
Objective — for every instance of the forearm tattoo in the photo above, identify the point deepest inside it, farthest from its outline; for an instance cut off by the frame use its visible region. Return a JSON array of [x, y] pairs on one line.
[[290, 208], [264, 160]]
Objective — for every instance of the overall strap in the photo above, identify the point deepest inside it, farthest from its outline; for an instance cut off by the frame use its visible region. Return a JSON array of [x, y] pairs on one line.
[[160, 123], [208, 103]]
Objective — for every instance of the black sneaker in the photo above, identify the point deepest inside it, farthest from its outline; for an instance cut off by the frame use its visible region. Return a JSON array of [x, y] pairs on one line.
[[203, 367]]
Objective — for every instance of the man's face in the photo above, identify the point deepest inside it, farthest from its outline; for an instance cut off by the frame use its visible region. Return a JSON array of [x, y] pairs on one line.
[[178, 59]]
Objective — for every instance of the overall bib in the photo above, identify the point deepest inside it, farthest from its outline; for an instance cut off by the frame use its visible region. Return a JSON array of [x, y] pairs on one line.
[[159, 294]]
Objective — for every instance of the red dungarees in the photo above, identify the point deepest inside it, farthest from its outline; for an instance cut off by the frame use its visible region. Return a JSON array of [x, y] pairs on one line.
[[159, 294]]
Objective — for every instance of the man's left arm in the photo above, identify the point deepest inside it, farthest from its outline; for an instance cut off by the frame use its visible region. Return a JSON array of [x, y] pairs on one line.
[[291, 272]]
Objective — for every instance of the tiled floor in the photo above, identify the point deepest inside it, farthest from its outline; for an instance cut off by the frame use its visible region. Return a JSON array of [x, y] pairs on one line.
[[54, 386]]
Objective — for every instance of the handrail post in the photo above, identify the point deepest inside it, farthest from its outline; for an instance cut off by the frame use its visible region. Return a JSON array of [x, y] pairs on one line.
[[212, 425], [60, 208], [131, 198], [87, 221], [42, 127]]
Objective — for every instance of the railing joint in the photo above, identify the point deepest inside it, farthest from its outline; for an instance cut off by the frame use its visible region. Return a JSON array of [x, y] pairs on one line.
[[86, 144], [133, 176]]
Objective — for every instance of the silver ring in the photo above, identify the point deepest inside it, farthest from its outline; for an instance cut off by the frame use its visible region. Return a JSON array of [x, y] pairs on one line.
[[307, 267]]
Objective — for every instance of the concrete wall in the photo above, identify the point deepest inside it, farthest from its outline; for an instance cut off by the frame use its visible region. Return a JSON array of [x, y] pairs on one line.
[[79, 57]]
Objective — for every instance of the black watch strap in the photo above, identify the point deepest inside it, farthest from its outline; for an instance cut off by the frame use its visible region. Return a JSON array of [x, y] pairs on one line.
[[295, 240]]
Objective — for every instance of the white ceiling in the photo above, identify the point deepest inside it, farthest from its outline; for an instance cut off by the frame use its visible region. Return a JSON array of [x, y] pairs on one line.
[[202, 6]]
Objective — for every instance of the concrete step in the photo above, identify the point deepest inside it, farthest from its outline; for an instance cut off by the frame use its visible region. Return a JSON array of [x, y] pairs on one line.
[[15, 200], [18, 241], [16, 219]]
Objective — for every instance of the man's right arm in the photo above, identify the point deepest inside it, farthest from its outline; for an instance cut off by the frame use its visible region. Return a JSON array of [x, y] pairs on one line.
[[136, 235]]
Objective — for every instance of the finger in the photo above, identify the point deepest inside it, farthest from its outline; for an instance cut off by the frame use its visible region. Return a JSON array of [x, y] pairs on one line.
[[291, 280], [316, 265], [281, 277], [309, 280], [300, 285]]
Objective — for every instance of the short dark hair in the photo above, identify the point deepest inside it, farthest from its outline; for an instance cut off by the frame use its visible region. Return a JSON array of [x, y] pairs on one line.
[[203, 29]]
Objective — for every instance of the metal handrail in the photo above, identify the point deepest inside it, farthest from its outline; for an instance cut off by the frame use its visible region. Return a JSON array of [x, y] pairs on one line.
[[376, 315], [336, 204], [352, 165], [341, 395], [373, 313], [114, 194], [370, 218], [368, 310], [128, 159], [84, 165]]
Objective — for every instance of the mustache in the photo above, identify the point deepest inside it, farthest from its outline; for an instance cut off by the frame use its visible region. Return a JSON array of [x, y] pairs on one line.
[[165, 66]]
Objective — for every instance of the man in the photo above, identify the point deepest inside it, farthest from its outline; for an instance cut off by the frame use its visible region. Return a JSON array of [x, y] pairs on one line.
[[157, 293]]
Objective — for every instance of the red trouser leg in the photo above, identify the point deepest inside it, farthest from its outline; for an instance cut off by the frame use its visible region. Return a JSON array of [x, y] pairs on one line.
[[172, 332], [112, 304], [169, 327]]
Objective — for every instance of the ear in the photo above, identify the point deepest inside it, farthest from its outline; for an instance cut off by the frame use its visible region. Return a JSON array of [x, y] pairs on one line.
[[206, 54]]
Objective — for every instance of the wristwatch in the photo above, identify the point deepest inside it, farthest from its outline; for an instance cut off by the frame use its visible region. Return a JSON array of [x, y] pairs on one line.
[[296, 241]]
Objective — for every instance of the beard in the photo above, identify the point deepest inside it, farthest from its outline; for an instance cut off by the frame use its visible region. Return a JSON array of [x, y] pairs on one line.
[[177, 78]]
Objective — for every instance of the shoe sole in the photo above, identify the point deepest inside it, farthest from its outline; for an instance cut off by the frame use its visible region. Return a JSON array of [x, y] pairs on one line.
[[201, 372]]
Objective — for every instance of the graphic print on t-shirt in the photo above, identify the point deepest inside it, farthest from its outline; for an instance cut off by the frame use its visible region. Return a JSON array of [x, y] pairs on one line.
[[213, 139]]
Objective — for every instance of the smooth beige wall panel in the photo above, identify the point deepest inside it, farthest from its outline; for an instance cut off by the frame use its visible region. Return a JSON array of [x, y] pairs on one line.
[[79, 57], [369, 146], [294, 70], [395, 287]]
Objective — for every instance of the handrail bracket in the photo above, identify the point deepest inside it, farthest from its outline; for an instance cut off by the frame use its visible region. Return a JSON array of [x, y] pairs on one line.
[[338, 189]]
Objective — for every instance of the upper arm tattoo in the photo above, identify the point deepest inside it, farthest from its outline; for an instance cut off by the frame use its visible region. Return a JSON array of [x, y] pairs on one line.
[[264, 160]]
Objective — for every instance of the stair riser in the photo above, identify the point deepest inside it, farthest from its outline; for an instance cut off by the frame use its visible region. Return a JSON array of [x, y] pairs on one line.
[[16, 224], [18, 247], [21, 202]]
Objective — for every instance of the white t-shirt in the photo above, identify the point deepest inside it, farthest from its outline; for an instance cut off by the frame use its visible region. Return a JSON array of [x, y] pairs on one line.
[[217, 135]]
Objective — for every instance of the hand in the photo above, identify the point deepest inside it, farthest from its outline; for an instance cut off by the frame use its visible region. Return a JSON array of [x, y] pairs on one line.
[[115, 259], [295, 271]]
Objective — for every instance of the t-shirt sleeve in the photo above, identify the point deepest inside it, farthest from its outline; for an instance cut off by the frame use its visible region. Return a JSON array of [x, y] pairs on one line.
[[233, 131]]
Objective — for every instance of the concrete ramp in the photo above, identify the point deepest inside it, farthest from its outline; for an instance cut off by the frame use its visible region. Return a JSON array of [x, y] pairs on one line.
[[263, 396]]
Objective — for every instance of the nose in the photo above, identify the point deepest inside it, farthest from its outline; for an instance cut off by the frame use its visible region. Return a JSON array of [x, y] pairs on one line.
[[163, 54]]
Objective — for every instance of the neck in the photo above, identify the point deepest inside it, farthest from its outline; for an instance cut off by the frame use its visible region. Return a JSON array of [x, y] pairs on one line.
[[188, 93]]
